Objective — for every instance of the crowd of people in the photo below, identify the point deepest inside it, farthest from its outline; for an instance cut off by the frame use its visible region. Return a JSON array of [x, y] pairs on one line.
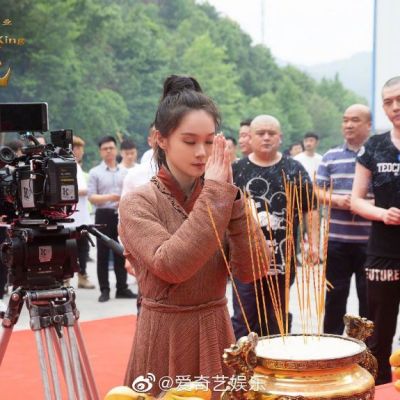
[[159, 209]]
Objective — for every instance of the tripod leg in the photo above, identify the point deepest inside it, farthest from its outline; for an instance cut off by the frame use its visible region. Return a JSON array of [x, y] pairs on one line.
[[53, 363], [4, 339], [10, 318], [43, 367], [57, 346], [67, 369], [84, 375], [85, 382], [76, 362], [86, 364]]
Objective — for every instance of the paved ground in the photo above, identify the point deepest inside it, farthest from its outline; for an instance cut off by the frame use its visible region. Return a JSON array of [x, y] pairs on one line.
[[91, 309]]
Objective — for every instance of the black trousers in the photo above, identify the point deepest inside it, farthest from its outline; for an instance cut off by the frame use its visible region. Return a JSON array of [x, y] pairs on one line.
[[83, 248], [383, 307], [344, 260], [248, 298], [109, 218]]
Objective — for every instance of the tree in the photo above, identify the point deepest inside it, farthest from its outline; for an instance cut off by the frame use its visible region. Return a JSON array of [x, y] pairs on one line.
[[292, 102], [326, 119], [100, 65], [173, 12], [141, 61], [338, 94], [218, 78]]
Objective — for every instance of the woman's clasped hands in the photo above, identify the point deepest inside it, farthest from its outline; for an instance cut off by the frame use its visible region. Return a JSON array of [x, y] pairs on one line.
[[218, 166]]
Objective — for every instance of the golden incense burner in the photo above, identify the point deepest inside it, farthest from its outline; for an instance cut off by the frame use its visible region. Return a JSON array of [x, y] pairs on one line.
[[312, 367]]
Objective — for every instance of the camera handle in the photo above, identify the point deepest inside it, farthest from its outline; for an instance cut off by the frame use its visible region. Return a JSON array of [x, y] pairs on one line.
[[112, 244], [32, 138]]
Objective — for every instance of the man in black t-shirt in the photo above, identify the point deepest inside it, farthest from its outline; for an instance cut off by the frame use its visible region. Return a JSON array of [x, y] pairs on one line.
[[262, 174], [379, 163]]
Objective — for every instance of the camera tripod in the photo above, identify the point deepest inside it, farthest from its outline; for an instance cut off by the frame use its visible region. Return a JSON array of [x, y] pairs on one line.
[[54, 320]]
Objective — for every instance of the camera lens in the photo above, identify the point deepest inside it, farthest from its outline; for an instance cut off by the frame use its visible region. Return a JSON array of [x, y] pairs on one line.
[[6, 155]]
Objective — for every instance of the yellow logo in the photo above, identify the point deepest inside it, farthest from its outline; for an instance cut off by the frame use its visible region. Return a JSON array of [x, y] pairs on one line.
[[11, 41], [5, 78], [8, 41]]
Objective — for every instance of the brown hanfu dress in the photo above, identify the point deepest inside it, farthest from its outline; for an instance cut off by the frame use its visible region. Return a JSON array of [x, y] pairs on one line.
[[184, 325]]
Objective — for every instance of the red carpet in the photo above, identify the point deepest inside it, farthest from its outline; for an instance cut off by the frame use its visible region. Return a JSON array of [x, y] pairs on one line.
[[107, 341], [386, 392]]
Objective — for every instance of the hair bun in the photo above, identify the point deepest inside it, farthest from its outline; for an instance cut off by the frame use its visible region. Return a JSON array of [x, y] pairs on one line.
[[176, 84]]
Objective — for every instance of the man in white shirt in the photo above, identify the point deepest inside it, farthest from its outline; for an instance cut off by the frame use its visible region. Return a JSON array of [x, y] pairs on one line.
[[151, 138], [147, 156], [143, 172], [82, 215], [137, 176], [309, 158], [104, 191], [128, 153]]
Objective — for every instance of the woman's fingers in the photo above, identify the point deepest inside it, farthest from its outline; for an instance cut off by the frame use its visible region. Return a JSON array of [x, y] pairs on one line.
[[224, 158], [212, 155], [220, 149], [230, 175], [227, 159], [219, 163]]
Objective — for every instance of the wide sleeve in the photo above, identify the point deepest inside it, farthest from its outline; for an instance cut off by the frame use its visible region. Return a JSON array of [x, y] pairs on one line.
[[175, 257], [243, 260]]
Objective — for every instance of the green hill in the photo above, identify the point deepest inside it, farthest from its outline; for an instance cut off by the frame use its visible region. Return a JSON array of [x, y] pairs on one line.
[[100, 65], [354, 72]]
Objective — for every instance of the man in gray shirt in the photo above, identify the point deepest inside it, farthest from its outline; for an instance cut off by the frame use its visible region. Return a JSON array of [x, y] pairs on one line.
[[104, 191]]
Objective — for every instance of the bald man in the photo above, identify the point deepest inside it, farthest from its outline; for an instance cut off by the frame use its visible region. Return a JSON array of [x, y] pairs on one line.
[[261, 175], [348, 233]]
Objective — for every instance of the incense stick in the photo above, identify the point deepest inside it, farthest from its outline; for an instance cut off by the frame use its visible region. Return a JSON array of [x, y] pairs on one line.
[[248, 214], [228, 267], [275, 294], [312, 284], [262, 261]]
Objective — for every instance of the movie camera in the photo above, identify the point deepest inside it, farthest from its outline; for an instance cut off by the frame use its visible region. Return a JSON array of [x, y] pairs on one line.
[[38, 195]]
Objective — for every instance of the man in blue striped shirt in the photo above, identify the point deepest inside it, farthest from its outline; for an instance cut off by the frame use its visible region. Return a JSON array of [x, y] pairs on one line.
[[348, 233]]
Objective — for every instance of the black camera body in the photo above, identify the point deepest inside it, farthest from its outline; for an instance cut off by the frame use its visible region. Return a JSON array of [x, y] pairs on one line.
[[41, 183], [38, 192], [39, 257]]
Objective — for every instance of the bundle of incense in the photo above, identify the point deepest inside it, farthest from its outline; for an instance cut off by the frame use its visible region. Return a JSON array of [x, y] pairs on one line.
[[312, 285]]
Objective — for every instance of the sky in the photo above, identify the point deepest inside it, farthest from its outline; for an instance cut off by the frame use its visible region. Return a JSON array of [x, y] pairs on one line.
[[305, 32]]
